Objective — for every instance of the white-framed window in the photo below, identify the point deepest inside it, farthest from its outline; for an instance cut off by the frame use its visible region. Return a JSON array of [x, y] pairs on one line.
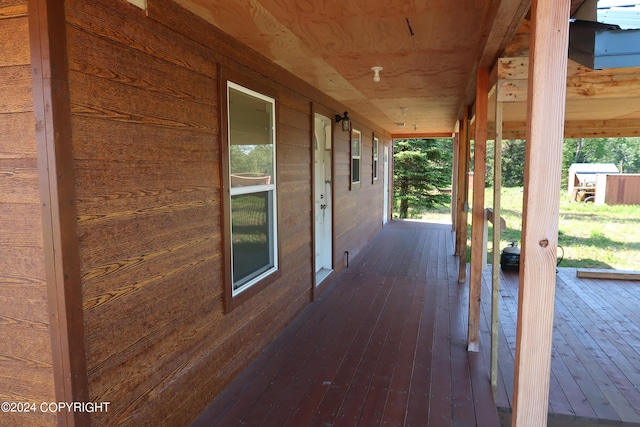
[[356, 153], [375, 158], [252, 186]]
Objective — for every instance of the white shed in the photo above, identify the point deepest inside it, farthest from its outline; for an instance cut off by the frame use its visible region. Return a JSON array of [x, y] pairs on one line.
[[582, 176]]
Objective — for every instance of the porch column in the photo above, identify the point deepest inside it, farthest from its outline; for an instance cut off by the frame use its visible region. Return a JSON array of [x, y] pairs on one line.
[[48, 44], [454, 182], [461, 199], [477, 216], [543, 160]]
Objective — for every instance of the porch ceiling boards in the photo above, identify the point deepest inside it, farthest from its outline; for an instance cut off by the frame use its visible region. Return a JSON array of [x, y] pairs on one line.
[[429, 50], [385, 344], [595, 366]]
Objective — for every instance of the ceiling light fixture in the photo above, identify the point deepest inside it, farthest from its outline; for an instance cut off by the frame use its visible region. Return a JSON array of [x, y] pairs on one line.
[[376, 73]]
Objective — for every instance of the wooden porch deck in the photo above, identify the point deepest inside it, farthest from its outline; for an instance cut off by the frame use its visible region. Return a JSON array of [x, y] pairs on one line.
[[595, 367], [385, 344]]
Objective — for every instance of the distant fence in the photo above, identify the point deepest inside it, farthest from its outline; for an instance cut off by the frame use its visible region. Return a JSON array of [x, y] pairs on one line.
[[618, 189]]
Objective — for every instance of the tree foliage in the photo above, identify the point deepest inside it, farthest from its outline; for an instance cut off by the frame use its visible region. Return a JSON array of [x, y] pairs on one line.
[[623, 152], [422, 169]]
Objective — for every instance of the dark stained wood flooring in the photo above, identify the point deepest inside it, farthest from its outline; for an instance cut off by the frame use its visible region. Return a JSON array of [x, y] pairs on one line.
[[595, 366], [383, 345]]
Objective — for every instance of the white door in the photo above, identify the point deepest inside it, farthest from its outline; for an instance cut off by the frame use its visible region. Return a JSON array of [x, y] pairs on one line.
[[323, 202], [385, 186]]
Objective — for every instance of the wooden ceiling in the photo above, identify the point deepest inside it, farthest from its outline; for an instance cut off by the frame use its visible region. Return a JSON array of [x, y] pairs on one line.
[[429, 51]]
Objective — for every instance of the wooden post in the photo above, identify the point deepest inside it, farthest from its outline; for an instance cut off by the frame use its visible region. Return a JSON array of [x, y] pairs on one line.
[[477, 216], [54, 144], [543, 161], [454, 182], [463, 191], [495, 267]]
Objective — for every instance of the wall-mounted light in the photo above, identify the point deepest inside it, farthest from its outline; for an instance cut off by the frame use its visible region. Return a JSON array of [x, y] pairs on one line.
[[346, 122], [376, 73]]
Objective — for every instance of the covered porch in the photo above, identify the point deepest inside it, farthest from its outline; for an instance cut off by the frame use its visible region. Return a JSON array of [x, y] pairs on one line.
[[384, 344]]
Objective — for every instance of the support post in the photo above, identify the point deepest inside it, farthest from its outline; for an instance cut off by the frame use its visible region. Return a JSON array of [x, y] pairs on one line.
[[454, 183], [477, 216], [543, 161], [463, 192], [54, 145], [495, 267]]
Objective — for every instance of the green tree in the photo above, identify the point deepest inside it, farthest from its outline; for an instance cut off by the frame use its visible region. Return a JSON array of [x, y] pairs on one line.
[[623, 152], [513, 163], [422, 169]]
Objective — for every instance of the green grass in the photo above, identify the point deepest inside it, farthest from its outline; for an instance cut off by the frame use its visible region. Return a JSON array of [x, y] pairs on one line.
[[592, 236]]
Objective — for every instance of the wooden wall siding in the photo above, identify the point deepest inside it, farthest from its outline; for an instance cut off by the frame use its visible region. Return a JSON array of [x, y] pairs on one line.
[[145, 116], [623, 189], [360, 209], [26, 368]]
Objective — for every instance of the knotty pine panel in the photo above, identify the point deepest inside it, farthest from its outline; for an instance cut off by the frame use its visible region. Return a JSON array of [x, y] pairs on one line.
[[26, 373]]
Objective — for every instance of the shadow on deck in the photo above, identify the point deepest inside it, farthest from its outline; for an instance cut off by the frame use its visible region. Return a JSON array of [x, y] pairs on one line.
[[385, 344]]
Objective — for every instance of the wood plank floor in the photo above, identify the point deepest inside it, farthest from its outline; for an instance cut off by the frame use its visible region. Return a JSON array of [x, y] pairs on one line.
[[595, 367], [385, 344]]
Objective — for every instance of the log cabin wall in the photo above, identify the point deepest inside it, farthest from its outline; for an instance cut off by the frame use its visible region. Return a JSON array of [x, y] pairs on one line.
[[146, 132], [26, 367]]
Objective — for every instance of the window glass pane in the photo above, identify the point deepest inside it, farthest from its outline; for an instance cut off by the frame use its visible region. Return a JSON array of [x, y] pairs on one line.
[[251, 139], [355, 150], [355, 167], [356, 146], [252, 236]]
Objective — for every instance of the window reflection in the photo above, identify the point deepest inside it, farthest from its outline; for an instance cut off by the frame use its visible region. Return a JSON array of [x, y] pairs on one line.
[[252, 234]]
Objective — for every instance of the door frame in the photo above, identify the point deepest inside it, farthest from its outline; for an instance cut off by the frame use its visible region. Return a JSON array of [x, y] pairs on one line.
[[316, 289]]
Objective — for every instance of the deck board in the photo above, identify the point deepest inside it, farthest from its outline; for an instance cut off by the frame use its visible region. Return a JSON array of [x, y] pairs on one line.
[[385, 344], [595, 375]]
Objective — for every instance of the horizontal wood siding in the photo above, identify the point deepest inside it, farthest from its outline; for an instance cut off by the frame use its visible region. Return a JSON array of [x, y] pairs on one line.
[[146, 136], [26, 368], [359, 215]]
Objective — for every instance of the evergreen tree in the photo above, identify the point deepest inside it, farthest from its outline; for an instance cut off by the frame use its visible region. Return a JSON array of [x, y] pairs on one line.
[[422, 169], [513, 163]]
